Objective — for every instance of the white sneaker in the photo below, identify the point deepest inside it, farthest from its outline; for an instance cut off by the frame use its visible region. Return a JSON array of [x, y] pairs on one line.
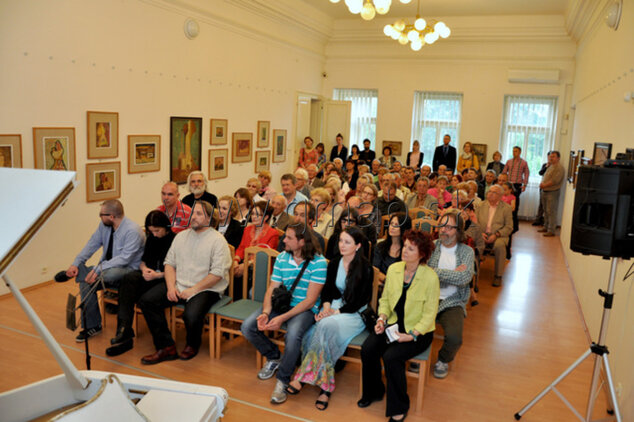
[[279, 393], [269, 369], [441, 369]]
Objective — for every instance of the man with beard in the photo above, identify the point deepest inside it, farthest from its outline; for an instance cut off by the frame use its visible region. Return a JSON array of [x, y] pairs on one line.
[[197, 184], [454, 262], [122, 241]]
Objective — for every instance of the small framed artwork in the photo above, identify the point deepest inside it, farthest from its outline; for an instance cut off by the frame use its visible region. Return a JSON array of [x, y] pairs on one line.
[[263, 133], [279, 145], [11, 151], [262, 161], [144, 153], [602, 153], [242, 147], [480, 150], [218, 163], [218, 132], [103, 181], [54, 148], [578, 158], [103, 134], [571, 166], [185, 147], [397, 147]]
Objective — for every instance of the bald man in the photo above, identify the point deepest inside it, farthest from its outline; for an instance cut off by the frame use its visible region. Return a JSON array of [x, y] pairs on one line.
[[176, 211]]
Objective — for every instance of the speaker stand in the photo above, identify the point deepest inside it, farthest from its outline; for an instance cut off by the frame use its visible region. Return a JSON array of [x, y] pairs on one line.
[[600, 352]]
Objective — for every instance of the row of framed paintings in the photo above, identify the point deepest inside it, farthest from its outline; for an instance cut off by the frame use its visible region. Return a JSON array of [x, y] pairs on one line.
[[218, 159]]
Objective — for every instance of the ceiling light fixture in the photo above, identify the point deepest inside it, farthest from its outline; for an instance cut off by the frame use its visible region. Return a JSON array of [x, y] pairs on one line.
[[369, 8], [419, 33]]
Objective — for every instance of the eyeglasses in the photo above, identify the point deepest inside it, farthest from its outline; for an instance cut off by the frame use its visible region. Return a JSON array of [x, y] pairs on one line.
[[104, 215], [447, 226]]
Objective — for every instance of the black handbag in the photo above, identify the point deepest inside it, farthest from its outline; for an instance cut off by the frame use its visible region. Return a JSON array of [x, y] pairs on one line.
[[281, 296], [369, 318]]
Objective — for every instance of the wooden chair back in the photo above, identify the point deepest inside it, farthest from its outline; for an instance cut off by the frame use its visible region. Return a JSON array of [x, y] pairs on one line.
[[424, 224], [421, 212]]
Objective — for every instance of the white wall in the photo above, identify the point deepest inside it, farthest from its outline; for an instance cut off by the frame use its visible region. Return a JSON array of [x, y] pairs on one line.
[[605, 71], [61, 59]]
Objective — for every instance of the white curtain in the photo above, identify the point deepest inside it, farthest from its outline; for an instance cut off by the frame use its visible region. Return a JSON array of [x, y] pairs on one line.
[[363, 115], [434, 115], [529, 122]]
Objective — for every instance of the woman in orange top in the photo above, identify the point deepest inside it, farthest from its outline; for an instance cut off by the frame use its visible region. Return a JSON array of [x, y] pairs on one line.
[[467, 159]]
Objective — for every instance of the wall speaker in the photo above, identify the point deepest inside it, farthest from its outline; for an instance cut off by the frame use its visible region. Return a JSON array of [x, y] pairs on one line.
[[603, 216]]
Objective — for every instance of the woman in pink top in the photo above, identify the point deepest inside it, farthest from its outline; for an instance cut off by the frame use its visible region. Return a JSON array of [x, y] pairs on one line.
[[507, 195], [308, 155], [440, 192]]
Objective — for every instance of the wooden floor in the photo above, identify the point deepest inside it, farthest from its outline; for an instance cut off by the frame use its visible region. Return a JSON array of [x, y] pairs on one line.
[[517, 341]]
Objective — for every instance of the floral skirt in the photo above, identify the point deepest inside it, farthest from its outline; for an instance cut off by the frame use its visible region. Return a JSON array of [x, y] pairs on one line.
[[323, 345]]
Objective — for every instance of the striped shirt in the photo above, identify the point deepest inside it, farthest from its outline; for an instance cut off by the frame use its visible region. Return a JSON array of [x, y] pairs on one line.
[[286, 270], [517, 169]]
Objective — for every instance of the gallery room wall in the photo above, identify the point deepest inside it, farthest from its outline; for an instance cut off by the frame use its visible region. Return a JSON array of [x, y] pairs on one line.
[[605, 71], [61, 59]]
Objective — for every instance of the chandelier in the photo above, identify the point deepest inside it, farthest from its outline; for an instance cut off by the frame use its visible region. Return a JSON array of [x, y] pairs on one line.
[[369, 8], [417, 34]]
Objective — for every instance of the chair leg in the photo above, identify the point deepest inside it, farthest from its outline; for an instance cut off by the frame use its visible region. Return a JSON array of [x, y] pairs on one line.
[[212, 333], [102, 308], [422, 380], [218, 334]]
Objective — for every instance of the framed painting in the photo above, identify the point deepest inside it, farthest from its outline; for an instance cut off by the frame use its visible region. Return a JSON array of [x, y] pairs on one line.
[[571, 166], [11, 151], [262, 161], [242, 147], [279, 145], [144, 153], [480, 150], [263, 133], [185, 147], [103, 181], [218, 163], [103, 134], [54, 148], [397, 147], [218, 132], [602, 152]]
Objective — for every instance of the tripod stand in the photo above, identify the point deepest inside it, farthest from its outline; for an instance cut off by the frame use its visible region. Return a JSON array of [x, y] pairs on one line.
[[600, 350]]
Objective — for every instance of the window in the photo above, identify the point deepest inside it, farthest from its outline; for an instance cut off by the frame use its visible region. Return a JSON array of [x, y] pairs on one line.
[[529, 122], [435, 114], [363, 114]]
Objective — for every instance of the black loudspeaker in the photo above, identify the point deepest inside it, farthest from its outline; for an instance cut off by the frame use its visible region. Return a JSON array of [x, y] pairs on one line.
[[603, 216]]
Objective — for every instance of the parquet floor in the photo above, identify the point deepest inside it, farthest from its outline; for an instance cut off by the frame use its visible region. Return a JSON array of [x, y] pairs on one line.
[[517, 340]]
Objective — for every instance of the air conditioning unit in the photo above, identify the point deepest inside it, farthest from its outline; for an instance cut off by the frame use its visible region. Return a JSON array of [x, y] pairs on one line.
[[532, 76]]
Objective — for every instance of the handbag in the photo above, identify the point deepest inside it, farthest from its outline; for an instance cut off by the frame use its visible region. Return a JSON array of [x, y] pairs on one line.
[[281, 296], [369, 318]]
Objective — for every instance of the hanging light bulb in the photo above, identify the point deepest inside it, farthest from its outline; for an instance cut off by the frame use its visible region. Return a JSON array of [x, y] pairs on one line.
[[406, 1], [420, 24], [399, 25], [395, 34], [416, 45], [413, 35], [445, 32], [403, 39], [387, 30], [429, 38], [334, 1], [354, 6], [367, 11], [382, 6]]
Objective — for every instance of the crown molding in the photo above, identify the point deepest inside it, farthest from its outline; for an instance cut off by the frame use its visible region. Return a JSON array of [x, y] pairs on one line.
[[582, 16]]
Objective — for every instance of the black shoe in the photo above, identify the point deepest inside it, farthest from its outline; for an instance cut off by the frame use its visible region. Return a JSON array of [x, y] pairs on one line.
[[84, 334], [365, 402], [339, 365], [120, 348], [123, 334], [61, 276], [538, 223]]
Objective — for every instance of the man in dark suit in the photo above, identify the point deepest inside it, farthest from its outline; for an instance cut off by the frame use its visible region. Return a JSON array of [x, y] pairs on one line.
[[279, 218], [445, 154], [367, 154]]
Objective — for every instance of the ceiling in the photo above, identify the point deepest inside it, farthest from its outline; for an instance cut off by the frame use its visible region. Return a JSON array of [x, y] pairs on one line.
[[452, 8]]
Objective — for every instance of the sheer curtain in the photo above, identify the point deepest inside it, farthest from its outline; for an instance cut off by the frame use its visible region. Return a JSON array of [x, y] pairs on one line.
[[529, 122], [363, 115], [434, 115]]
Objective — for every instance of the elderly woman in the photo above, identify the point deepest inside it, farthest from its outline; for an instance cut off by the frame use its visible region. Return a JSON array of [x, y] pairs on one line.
[[301, 182], [254, 185], [467, 158], [388, 251], [497, 165], [346, 293], [408, 310], [387, 159], [320, 198], [228, 226], [266, 191]]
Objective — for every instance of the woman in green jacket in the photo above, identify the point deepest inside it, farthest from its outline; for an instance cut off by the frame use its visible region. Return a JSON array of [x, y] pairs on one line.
[[410, 303]]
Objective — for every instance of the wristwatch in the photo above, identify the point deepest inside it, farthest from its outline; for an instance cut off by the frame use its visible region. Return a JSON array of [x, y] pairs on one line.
[[411, 333]]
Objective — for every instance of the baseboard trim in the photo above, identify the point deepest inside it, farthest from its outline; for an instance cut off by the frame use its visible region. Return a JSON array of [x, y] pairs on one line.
[[574, 289], [28, 289]]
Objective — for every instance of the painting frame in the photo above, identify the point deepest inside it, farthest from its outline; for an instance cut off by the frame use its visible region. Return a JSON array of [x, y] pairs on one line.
[[103, 134], [241, 147], [601, 153], [185, 154], [279, 145], [259, 164], [571, 165], [264, 132], [43, 140], [217, 156], [396, 146], [142, 158], [218, 129], [112, 189], [480, 150], [11, 149]]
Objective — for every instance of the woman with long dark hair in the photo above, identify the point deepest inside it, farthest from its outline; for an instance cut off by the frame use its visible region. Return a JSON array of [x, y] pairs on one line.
[[388, 251], [347, 292], [349, 218]]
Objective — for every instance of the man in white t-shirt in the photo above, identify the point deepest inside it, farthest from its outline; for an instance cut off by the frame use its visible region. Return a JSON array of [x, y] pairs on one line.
[[454, 263]]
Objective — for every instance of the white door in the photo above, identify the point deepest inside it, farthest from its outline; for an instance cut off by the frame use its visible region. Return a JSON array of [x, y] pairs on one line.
[[336, 120]]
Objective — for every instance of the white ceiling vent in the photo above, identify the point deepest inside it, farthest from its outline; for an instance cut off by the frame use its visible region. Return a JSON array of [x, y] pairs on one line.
[[532, 76]]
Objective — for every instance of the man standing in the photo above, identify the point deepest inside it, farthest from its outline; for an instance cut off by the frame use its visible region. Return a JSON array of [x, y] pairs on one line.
[[122, 241], [454, 263], [196, 274], [279, 219], [539, 219], [197, 184], [290, 192], [299, 262], [517, 170], [496, 219], [176, 210], [367, 154], [550, 185], [445, 154]]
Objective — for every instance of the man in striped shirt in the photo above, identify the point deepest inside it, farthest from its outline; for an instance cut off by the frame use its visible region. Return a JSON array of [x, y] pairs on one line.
[[517, 170], [299, 260]]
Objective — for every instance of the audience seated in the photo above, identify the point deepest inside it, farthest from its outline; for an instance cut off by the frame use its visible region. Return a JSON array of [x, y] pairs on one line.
[[320, 198], [420, 198], [388, 251], [197, 185], [245, 202], [389, 203], [177, 212], [350, 174], [304, 213], [410, 179], [301, 182], [440, 192], [489, 180], [350, 218], [313, 181], [254, 186], [293, 197], [266, 191], [425, 171], [228, 226], [279, 218]]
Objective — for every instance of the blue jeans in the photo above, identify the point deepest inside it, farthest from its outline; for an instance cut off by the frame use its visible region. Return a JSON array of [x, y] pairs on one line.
[[111, 278], [296, 327]]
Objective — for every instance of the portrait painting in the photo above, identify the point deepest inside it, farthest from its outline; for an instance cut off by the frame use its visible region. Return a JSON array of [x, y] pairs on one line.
[[56, 152], [54, 148], [103, 181], [218, 132], [262, 161], [242, 147], [279, 149], [103, 134], [11, 151], [218, 163], [6, 154], [263, 133], [144, 153], [185, 147]]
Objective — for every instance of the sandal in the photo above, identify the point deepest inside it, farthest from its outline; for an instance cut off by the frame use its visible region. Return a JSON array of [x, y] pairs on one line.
[[320, 404], [292, 390]]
